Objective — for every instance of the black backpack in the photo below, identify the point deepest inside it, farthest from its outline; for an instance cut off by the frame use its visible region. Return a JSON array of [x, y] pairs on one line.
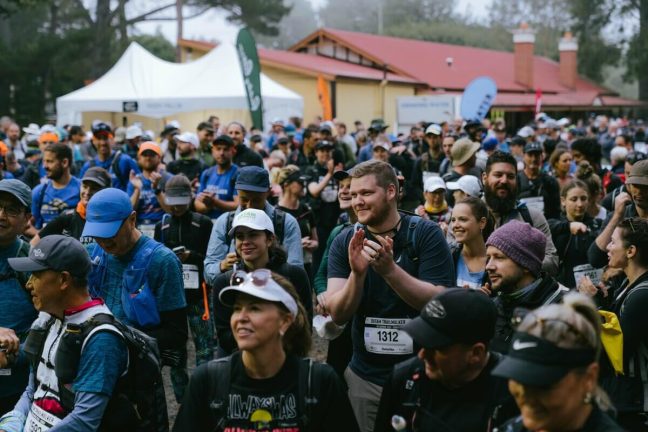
[[219, 375], [138, 401], [278, 222]]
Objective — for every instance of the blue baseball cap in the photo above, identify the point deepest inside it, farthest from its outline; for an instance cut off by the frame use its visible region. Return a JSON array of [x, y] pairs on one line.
[[252, 178], [106, 212]]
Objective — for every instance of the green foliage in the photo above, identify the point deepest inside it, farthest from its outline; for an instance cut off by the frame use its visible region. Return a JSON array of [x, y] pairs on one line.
[[50, 48], [157, 45], [292, 28]]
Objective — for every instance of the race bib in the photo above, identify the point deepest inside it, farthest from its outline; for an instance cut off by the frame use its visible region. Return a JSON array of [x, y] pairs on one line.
[[5, 372], [587, 270], [148, 230], [534, 203], [40, 420], [468, 284], [190, 276], [384, 336]]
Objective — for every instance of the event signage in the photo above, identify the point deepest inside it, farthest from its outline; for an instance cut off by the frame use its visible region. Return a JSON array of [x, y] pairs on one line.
[[129, 106], [249, 60], [477, 98]]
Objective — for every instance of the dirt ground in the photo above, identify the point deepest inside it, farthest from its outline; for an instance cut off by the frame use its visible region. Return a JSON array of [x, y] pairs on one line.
[[318, 352]]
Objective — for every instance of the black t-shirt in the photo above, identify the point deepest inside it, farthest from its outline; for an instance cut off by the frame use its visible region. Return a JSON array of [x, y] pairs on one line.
[[69, 223], [273, 400], [466, 409], [326, 205], [192, 168], [305, 217], [222, 314], [543, 186], [381, 311]]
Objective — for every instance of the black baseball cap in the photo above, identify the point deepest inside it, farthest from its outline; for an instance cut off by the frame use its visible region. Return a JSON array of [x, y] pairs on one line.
[[283, 140], [99, 176], [224, 139], [324, 144], [18, 189], [457, 315], [533, 147], [536, 362], [55, 252], [341, 175], [253, 179]]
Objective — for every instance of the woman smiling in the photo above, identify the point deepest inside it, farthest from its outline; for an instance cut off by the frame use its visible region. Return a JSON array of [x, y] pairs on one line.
[[256, 247]]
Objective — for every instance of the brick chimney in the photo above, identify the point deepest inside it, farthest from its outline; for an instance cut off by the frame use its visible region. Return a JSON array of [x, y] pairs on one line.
[[523, 41], [568, 48]]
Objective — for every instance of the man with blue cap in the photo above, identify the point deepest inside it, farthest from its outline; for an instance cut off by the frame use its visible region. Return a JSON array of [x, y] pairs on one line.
[[139, 278], [253, 187]]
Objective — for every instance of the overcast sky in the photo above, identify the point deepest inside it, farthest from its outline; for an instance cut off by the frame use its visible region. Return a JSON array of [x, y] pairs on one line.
[[212, 26]]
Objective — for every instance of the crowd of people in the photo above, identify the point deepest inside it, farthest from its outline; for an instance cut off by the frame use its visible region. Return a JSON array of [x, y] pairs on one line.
[[466, 276]]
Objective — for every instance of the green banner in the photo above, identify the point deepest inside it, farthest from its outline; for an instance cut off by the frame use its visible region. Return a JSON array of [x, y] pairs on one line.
[[249, 59]]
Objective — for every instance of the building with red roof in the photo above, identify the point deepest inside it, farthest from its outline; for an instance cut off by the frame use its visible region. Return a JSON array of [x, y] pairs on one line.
[[366, 74]]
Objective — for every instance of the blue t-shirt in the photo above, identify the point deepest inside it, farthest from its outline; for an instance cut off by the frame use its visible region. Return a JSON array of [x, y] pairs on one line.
[[378, 342], [164, 275], [102, 362], [222, 185], [467, 278], [18, 313], [148, 207], [55, 201], [124, 167]]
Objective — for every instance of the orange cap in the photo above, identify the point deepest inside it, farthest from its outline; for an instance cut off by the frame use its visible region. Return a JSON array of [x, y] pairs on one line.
[[149, 145], [48, 137]]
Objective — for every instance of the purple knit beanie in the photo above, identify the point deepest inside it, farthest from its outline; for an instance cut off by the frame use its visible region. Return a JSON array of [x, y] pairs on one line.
[[522, 243]]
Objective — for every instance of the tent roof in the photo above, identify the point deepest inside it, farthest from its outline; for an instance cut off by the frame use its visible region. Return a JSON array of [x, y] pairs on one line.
[[162, 88]]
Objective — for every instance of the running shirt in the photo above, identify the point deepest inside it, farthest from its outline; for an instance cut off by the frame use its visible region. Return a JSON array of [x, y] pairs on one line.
[[125, 165], [48, 202], [222, 185], [466, 278], [148, 207]]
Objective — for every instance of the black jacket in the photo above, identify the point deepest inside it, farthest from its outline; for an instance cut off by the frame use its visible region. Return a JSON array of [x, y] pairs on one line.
[[598, 421], [246, 157], [545, 290], [545, 186], [572, 250], [191, 230]]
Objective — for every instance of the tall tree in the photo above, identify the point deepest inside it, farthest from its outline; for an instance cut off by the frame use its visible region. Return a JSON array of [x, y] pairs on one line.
[[637, 55], [292, 27]]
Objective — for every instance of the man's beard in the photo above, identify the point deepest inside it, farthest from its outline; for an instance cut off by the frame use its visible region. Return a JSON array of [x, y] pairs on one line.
[[500, 206]]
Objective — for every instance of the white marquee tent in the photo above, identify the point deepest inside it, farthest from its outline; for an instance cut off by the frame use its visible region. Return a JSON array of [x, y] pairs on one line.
[[157, 88]]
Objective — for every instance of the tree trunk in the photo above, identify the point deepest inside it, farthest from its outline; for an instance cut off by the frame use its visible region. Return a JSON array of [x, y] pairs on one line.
[[180, 30], [643, 42], [103, 34], [123, 27]]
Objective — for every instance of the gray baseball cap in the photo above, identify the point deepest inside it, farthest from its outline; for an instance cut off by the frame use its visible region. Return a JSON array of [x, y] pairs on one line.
[[55, 252], [20, 190], [177, 190]]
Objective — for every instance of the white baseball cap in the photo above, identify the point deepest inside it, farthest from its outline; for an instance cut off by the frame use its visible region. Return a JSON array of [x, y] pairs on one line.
[[526, 132], [188, 137], [434, 129], [468, 184], [254, 219], [133, 132], [434, 183], [259, 284]]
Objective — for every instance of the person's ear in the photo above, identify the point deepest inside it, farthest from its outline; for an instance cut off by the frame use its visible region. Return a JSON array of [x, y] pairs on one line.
[[631, 252], [66, 280], [482, 223]]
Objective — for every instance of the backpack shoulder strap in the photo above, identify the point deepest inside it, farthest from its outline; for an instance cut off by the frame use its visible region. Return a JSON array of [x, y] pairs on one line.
[[309, 379], [228, 226], [219, 376], [41, 197], [525, 213], [410, 245], [279, 221], [560, 290]]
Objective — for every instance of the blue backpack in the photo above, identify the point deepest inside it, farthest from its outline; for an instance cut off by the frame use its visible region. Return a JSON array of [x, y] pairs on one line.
[[137, 297]]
